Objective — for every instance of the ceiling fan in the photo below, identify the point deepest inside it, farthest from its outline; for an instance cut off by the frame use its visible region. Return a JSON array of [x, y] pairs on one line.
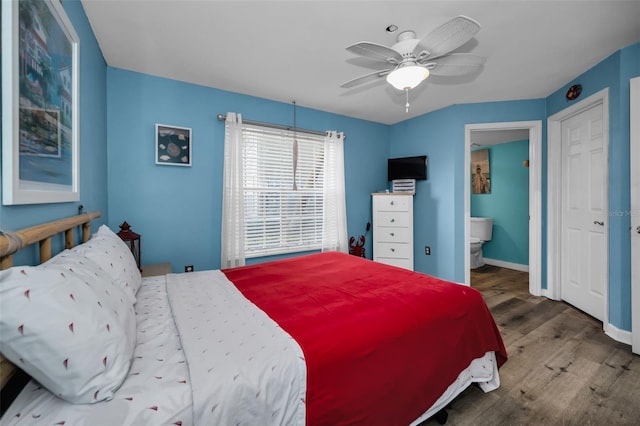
[[412, 60]]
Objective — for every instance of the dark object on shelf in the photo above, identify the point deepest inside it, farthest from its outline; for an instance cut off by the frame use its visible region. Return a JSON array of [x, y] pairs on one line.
[[573, 92], [132, 240], [407, 168], [356, 247]]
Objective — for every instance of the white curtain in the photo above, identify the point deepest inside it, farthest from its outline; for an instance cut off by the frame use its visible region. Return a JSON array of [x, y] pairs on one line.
[[334, 235], [232, 195]]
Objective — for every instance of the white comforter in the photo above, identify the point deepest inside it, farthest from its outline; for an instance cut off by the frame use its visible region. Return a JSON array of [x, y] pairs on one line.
[[218, 360], [245, 370]]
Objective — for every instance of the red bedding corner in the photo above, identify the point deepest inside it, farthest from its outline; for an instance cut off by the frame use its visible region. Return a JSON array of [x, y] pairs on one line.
[[381, 343]]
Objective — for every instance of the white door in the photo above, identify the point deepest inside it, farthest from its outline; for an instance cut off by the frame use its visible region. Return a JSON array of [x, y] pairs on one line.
[[584, 265], [635, 213]]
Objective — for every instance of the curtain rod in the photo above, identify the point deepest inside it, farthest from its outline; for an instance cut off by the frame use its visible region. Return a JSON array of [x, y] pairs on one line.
[[222, 117]]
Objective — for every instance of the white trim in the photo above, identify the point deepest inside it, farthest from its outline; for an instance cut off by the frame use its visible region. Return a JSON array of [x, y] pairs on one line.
[[554, 186], [634, 186], [535, 196], [616, 334], [508, 265]]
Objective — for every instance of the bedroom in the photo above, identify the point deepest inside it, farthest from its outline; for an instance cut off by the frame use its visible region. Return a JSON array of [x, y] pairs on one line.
[[119, 178]]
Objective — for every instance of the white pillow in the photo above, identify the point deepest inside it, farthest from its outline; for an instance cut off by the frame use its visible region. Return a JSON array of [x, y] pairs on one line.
[[114, 298], [57, 328], [109, 252]]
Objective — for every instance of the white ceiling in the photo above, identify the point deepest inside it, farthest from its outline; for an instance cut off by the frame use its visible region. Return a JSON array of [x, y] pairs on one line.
[[295, 50]]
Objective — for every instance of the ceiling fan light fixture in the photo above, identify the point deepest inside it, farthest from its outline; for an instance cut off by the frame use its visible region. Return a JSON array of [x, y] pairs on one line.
[[407, 77]]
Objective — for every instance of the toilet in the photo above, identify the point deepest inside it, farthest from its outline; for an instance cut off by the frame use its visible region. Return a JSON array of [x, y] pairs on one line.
[[481, 229]]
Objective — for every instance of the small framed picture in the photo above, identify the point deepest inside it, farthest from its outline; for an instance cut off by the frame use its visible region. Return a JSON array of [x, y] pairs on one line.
[[173, 145]]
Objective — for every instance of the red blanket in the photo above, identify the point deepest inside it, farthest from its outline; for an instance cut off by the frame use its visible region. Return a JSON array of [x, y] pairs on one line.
[[381, 343]]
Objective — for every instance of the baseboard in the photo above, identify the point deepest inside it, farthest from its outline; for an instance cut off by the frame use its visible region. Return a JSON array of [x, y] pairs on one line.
[[508, 265], [616, 334]]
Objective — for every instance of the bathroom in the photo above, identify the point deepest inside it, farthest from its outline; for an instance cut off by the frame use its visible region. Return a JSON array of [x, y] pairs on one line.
[[500, 197]]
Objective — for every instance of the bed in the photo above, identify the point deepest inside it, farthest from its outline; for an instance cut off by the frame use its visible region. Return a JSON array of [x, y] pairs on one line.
[[322, 339]]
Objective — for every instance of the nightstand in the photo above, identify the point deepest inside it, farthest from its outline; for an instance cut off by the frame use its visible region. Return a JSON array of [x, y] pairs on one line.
[[156, 269]]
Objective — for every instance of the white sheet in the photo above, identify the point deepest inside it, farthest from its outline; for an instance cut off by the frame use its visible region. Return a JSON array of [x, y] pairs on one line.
[[483, 370], [156, 391], [245, 369]]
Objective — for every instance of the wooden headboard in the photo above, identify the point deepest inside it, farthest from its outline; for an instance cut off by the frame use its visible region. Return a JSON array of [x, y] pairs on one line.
[[12, 242]]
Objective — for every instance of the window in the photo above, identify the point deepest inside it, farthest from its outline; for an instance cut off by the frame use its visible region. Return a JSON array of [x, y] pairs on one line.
[[282, 206]]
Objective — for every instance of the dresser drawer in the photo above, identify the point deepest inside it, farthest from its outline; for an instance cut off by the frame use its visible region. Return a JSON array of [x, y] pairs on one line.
[[393, 203], [401, 263], [392, 250], [389, 234], [383, 218]]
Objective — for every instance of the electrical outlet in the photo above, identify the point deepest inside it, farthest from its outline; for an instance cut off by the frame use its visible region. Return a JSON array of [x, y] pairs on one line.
[[427, 250], [188, 268]]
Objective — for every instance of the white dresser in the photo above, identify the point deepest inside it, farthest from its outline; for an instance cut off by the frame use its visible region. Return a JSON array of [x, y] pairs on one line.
[[393, 229]]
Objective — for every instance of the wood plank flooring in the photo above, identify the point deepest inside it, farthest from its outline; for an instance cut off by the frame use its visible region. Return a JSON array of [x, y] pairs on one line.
[[562, 368]]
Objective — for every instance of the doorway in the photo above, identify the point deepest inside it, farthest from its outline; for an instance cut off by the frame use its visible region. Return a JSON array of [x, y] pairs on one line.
[[570, 235], [534, 129]]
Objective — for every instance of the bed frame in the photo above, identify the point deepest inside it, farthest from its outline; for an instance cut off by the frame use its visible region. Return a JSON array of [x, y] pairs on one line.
[[12, 379]]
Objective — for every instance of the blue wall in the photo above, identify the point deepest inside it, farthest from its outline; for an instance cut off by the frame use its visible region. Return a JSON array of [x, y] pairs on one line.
[[614, 72], [177, 210], [439, 201], [507, 204], [93, 141]]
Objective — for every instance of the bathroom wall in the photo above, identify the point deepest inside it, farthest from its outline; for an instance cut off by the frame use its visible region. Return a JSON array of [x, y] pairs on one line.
[[507, 204]]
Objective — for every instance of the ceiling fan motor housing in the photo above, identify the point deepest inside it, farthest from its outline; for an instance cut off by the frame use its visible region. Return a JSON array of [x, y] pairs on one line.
[[407, 42]]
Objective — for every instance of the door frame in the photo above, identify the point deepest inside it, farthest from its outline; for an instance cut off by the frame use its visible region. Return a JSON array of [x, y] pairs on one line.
[[554, 191], [634, 182], [535, 196]]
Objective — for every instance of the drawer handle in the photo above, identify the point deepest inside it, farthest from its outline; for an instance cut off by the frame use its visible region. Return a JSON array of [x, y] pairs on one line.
[[393, 220], [392, 250], [392, 234], [391, 203]]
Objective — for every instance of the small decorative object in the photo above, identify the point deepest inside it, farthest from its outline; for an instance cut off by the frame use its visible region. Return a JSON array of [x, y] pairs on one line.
[[40, 111], [356, 247], [132, 240], [573, 92], [173, 145]]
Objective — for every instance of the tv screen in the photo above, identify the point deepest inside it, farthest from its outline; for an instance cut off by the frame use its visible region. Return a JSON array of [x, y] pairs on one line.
[[407, 168]]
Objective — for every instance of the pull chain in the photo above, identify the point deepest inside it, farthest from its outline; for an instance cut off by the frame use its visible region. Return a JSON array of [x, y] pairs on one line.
[[406, 107]]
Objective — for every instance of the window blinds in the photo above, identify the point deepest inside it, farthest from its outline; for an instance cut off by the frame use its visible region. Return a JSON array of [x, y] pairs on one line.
[[281, 217]]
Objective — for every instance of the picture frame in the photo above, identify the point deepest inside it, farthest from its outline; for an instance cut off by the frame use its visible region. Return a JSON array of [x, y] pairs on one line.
[[173, 145], [480, 172], [40, 104]]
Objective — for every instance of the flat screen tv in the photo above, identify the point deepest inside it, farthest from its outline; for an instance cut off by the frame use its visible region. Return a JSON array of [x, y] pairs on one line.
[[407, 168]]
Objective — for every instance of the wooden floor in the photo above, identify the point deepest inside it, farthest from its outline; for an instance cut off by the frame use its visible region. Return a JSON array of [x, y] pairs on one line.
[[562, 368]]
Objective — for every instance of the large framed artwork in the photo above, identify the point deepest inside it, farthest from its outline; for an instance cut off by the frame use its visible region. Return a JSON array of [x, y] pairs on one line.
[[40, 92], [480, 172]]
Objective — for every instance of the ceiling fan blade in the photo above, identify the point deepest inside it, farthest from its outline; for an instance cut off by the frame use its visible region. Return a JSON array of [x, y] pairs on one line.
[[447, 37], [375, 51], [455, 64], [364, 78]]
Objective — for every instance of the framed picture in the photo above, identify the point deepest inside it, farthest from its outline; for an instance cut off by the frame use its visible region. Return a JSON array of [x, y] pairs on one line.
[[480, 172], [173, 145], [40, 115]]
